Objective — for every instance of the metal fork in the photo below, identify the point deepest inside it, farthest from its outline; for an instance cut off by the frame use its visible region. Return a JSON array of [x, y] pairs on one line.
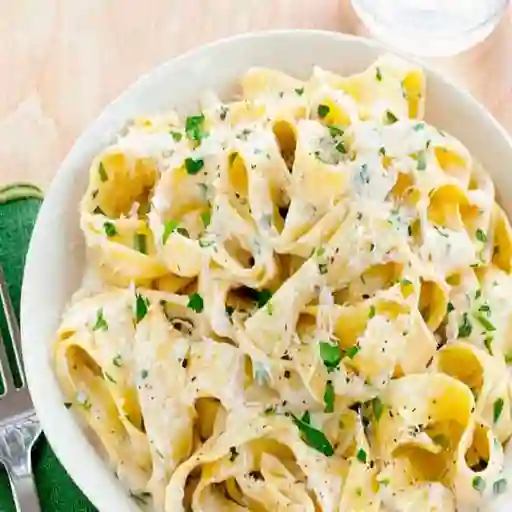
[[19, 426]]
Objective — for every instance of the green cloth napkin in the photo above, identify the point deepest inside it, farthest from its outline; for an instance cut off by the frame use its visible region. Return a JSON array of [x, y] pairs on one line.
[[19, 205]]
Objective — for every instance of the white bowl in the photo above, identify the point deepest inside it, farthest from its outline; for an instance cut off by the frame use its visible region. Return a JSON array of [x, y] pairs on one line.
[[56, 256]]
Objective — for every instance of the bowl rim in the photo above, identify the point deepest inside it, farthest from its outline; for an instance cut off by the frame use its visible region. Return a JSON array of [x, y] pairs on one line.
[[74, 451]]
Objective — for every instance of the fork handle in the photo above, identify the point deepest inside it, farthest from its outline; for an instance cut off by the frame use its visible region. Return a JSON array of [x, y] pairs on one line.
[[24, 491]]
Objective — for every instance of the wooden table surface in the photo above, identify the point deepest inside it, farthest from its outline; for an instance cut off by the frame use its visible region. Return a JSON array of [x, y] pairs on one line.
[[62, 61]]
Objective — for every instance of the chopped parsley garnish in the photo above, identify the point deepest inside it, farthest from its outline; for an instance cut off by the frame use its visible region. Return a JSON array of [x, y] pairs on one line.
[[422, 161], [312, 436], [144, 374], [481, 236], [183, 232], [109, 377], [378, 74], [98, 211], [500, 486], [486, 323], [110, 229], [465, 328], [68, 405], [330, 354], [377, 407], [170, 226], [484, 308], [361, 455], [418, 127], [497, 409], [323, 110], [340, 147], [101, 324], [478, 484], [449, 307], [206, 217], [177, 136], [322, 268], [141, 307], [390, 117], [382, 151], [329, 397], [351, 352], [117, 361], [299, 91], [195, 302], [262, 296], [193, 166], [335, 130], [488, 344], [233, 453], [371, 313], [102, 172], [194, 127], [140, 243]]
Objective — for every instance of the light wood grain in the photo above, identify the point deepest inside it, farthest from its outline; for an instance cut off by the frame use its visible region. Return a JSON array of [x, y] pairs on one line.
[[62, 61]]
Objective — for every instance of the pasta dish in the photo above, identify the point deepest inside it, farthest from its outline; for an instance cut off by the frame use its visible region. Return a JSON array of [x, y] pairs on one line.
[[298, 300]]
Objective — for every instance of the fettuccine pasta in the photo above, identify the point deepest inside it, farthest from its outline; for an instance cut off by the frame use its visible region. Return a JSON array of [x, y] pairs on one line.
[[296, 301]]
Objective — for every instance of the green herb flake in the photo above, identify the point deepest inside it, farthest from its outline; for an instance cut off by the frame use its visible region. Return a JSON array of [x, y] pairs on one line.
[[334, 130], [117, 361], [144, 374], [508, 358], [465, 328], [312, 436], [299, 91], [194, 127], [422, 161], [98, 211], [195, 302], [68, 405], [102, 172], [177, 136], [330, 354], [382, 151], [329, 397], [140, 243], [371, 313], [262, 296], [340, 147], [497, 409], [170, 226], [488, 344], [193, 166], [323, 110], [481, 236], [378, 408], [183, 232], [378, 74], [101, 324], [141, 307], [361, 456], [351, 352], [109, 377], [449, 307], [486, 323], [500, 486], [270, 308], [418, 127], [206, 217], [390, 117], [110, 229], [478, 484]]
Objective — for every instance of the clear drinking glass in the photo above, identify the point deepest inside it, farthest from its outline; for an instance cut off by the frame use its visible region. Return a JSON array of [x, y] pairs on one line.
[[431, 27]]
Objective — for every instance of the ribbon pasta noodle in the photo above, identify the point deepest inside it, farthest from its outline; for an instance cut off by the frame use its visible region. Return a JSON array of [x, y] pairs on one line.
[[297, 301]]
